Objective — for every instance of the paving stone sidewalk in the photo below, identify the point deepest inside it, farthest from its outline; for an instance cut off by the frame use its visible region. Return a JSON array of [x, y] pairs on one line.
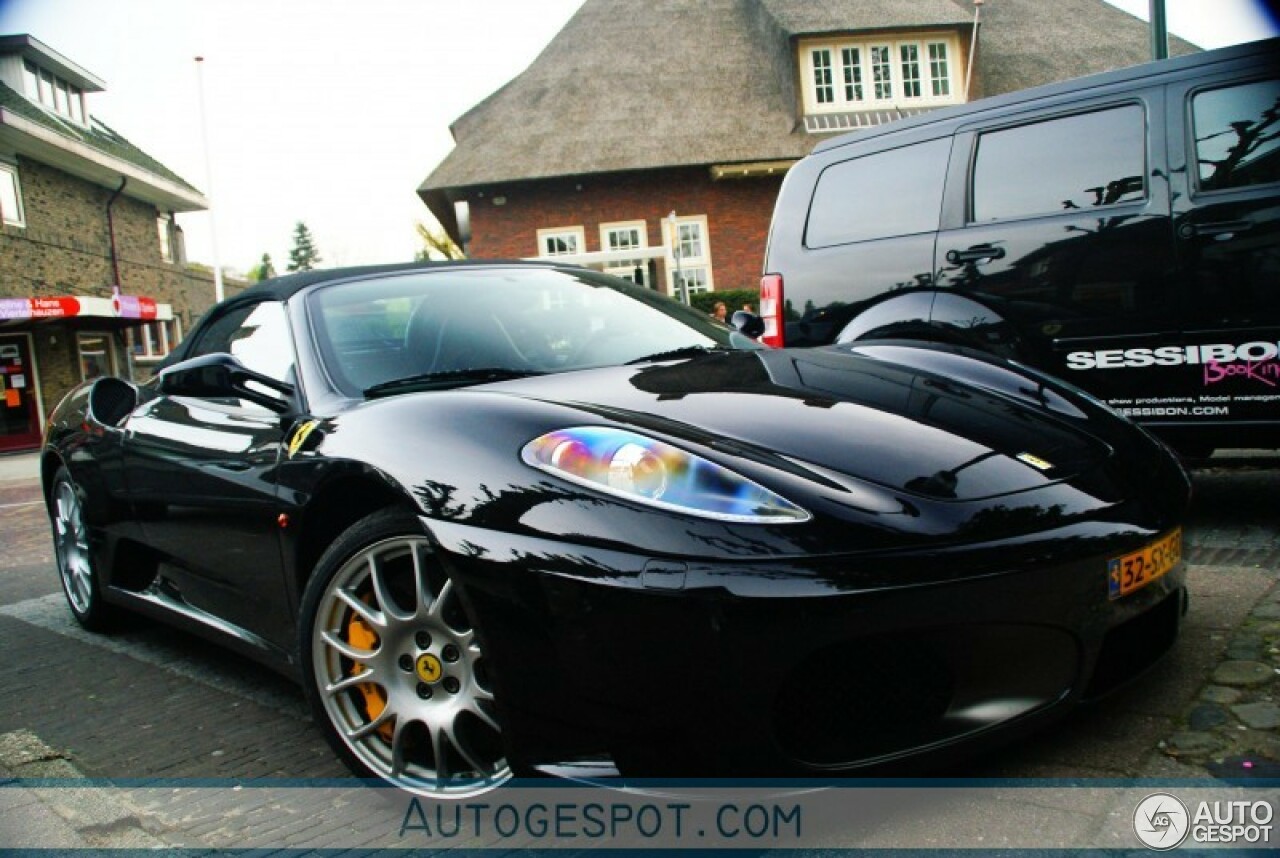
[[1230, 728]]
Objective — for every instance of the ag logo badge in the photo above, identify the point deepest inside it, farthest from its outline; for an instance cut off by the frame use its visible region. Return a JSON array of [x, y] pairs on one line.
[[1161, 822]]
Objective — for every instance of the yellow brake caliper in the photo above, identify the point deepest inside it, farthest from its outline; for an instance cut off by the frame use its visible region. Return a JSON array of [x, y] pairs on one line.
[[360, 636]]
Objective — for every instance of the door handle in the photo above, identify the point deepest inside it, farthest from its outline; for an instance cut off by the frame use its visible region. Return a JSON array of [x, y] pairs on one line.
[[977, 253], [1224, 228]]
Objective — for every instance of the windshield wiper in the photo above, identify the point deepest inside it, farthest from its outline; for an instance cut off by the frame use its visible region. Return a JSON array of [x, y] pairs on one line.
[[683, 351], [447, 379]]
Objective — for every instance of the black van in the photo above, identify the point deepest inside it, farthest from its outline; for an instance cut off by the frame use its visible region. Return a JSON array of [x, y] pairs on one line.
[[1121, 231]]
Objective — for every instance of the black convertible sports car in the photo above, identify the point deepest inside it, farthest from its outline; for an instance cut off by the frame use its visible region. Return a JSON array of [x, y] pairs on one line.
[[508, 517]]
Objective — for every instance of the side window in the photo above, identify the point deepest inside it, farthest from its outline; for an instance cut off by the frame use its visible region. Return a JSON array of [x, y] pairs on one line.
[[1237, 135], [258, 335], [10, 196], [1064, 164], [898, 192]]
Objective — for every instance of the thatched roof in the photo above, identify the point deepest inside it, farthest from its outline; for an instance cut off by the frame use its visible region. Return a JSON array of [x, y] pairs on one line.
[[627, 86], [1025, 43]]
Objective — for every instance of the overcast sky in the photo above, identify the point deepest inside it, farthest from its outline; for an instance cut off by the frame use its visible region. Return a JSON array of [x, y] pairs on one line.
[[333, 111]]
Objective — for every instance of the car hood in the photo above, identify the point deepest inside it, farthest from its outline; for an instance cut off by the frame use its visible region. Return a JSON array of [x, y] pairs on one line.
[[925, 432]]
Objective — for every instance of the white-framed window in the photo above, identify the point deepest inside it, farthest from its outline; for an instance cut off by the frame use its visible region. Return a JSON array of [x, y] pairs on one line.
[[97, 355], [164, 228], [623, 236], [696, 279], [44, 87], [10, 196], [561, 241], [883, 72], [690, 252], [154, 340]]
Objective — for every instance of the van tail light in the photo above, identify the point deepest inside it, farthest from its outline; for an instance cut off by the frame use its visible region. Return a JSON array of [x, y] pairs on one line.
[[771, 303]]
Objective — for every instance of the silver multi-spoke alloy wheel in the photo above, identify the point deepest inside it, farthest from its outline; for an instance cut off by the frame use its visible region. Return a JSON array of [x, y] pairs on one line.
[[400, 673], [71, 545]]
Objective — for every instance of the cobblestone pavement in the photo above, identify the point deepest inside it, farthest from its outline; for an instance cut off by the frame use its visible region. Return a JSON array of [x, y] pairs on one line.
[[152, 702]]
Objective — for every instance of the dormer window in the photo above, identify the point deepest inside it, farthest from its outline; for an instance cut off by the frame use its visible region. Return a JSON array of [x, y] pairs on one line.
[[875, 73], [53, 92]]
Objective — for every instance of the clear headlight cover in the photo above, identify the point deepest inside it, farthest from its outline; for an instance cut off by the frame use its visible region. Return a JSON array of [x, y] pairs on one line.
[[648, 471]]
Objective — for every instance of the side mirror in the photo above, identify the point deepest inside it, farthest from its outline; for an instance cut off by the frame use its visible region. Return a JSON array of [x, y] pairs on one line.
[[111, 400], [222, 375], [747, 323]]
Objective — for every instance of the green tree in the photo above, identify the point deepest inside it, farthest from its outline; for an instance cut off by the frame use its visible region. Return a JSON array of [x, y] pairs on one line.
[[262, 271], [304, 256], [436, 244]]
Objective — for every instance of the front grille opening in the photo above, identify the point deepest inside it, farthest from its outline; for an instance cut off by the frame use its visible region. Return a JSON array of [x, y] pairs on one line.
[[1133, 646], [862, 699]]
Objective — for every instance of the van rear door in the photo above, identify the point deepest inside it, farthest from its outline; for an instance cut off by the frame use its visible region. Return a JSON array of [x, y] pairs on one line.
[[1224, 146], [1058, 235]]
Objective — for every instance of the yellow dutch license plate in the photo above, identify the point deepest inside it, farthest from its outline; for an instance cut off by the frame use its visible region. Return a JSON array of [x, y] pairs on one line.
[[1137, 569]]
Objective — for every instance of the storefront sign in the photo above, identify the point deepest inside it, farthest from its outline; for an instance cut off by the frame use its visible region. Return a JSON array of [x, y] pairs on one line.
[[38, 308], [68, 307], [134, 307]]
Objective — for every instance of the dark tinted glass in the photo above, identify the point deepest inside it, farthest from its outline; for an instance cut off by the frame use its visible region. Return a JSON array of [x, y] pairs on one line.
[[521, 319], [1238, 135], [1067, 164], [898, 192]]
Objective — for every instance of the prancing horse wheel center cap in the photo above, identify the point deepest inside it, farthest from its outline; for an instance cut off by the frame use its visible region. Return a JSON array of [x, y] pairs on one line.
[[428, 668]]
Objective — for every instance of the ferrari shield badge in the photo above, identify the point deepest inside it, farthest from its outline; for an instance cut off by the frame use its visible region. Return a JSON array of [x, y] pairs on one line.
[[300, 436]]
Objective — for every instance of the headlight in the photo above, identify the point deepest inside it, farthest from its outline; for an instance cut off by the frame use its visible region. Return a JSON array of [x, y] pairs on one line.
[[647, 471]]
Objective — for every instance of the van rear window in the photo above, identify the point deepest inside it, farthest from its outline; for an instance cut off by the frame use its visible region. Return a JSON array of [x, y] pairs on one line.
[[898, 192], [1063, 164]]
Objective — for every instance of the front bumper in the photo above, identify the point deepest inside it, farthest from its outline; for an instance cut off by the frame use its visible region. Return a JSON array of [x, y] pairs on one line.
[[679, 666]]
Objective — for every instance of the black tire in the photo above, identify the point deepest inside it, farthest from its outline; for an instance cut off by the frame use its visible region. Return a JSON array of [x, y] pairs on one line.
[[81, 583], [380, 602]]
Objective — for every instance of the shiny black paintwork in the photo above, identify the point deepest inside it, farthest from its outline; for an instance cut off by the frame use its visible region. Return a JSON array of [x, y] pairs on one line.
[[1179, 266], [655, 638]]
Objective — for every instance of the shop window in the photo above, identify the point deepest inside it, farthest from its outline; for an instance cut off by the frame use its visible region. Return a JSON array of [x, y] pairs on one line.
[[97, 357], [154, 340]]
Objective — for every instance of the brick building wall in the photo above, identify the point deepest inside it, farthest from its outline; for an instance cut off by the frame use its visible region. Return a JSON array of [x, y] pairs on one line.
[[737, 211], [65, 249]]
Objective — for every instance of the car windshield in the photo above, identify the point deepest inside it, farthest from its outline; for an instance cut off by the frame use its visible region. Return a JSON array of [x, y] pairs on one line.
[[457, 326]]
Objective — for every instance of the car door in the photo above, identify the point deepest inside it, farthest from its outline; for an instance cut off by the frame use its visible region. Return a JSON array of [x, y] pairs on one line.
[[1059, 220], [1225, 147], [203, 473]]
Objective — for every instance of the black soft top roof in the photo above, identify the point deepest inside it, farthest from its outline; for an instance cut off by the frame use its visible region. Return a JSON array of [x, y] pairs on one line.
[[285, 287]]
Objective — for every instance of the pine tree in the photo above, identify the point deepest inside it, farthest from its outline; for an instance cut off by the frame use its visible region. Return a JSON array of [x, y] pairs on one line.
[[304, 256]]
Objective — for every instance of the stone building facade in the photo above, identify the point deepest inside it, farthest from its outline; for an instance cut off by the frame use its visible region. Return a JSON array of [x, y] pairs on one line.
[[93, 278]]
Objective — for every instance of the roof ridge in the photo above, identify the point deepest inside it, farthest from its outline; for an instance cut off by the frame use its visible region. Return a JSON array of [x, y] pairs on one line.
[[102, 139]]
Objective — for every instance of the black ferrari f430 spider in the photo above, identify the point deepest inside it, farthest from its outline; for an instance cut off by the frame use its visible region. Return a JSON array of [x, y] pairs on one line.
[[500, 518]]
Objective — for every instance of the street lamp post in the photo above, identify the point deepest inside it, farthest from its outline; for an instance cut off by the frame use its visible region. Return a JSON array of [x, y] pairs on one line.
[[675, 254], [208, 183]]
